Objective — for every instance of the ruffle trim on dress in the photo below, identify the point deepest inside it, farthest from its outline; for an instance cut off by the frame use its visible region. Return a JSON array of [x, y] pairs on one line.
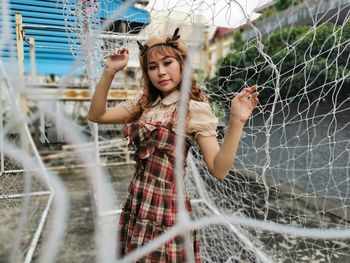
[[147, 138]]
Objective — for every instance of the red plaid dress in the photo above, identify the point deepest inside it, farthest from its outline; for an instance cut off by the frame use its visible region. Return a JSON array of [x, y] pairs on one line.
[[151, 206]]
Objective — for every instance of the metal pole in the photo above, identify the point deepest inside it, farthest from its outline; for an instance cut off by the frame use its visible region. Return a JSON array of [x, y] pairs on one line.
[[58, 121], [32, 57], [42, 127], [2, 157], [19, 41], [207, 64], [20, 60]]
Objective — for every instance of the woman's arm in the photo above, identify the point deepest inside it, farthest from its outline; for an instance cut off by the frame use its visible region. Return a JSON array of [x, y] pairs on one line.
[[220, 160], [98, 111]]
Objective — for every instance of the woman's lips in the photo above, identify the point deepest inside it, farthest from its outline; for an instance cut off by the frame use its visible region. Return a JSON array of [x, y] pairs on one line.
[[163, 82]]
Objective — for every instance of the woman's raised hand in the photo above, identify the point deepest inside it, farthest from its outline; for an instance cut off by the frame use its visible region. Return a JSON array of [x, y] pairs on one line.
[[118, 59], [244, 103]]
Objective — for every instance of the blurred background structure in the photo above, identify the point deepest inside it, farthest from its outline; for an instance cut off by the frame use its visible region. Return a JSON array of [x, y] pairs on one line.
[[63, 179]]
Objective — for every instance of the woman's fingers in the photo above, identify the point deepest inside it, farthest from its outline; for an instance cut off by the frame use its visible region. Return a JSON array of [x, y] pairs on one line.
[[251, 89], [254, 99], [121, 51], [254, 95], [250, 94], [244, 93]]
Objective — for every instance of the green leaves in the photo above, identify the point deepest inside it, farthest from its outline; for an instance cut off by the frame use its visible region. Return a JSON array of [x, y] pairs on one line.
[[293, 61]]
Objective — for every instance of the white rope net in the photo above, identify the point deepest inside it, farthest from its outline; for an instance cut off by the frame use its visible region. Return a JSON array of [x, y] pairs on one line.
[[287, 197]]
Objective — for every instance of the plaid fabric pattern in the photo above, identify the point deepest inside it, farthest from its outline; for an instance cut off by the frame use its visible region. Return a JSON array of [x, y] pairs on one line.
[[151, 206]]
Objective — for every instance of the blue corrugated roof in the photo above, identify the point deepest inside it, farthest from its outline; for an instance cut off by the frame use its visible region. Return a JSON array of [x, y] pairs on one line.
[[132, 14], [51, 13]]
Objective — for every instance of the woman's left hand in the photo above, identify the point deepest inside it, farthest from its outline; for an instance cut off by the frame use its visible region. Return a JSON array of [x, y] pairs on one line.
[[244, 103]]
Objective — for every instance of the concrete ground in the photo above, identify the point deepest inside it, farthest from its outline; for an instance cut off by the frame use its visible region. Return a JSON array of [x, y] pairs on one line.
[[79, 243]]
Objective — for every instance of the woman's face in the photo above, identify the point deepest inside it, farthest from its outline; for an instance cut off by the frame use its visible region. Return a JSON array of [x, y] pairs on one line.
[[164, 71]]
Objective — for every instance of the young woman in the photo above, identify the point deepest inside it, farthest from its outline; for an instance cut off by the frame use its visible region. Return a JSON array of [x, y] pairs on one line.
[[150, 208]]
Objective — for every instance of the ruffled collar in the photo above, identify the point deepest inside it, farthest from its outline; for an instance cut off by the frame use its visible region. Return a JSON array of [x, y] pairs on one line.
[[168, 100]]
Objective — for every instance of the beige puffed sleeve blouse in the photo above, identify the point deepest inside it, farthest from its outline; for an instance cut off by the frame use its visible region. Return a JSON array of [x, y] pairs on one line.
[[200, 119]]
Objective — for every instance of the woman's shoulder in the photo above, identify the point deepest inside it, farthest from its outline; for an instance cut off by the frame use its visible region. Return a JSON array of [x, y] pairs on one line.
[[201, 111], [195, 105], [201, 119], [129, 104]]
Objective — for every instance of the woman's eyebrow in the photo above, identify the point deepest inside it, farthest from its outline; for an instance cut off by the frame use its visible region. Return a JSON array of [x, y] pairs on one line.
[[163, 58]]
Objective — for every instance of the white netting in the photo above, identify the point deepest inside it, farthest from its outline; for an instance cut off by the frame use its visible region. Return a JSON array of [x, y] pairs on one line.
[[287, 198]]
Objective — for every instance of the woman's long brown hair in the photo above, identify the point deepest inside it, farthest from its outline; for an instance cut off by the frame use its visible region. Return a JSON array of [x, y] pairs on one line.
[[151, 93]]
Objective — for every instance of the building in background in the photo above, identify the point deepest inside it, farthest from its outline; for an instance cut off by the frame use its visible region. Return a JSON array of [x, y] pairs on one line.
[[220, 45], [55, 26], [46, 39], [308, 12], [222, 39]]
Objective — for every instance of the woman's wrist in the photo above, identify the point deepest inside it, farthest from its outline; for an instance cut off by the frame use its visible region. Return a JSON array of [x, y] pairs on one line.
[[236, 122], [110, 71]]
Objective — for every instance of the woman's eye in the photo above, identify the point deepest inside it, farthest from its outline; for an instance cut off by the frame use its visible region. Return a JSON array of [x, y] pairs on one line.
[[151, 67], [166, 63]]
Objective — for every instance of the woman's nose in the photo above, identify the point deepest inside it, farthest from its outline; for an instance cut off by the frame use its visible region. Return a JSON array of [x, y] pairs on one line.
[[161, 70]]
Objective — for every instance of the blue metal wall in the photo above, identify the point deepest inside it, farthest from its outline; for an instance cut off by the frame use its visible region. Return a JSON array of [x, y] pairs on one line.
[[50, 13]]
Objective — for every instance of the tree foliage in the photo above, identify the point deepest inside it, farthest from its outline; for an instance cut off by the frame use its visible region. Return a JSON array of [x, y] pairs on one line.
[[284, 4], [301, 63]]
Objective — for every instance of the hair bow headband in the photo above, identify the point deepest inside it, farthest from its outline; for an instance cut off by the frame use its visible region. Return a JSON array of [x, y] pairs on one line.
[[142, 48], [172, 42], [169, 41]]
